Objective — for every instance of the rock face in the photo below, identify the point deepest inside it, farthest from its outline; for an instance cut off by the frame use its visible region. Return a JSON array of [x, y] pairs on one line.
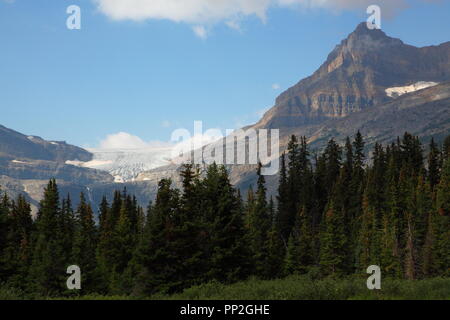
[[17, 146], [425, 113], [355, 77]]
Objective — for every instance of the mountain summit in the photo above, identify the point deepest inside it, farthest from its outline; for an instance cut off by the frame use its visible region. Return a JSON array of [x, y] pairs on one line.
[[355, 77]]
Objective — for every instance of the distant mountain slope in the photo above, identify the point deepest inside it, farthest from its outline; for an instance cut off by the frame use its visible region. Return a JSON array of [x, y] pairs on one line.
[[16, 145]]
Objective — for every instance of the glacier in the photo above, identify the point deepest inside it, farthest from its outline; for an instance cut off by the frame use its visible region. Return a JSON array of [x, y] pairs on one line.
[[126, 164]]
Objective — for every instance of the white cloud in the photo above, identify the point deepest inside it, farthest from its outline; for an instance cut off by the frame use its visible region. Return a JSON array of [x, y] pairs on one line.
[[208, 12], [189, 11], [233, 24], [200, 31], [124, 140], [276, 86]]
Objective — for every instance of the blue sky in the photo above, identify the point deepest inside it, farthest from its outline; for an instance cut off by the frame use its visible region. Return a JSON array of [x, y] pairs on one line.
[[150, 74]]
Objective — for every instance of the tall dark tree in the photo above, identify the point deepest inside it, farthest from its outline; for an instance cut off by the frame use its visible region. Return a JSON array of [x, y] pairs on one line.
[[15, 248], [5, 225], [443, 221], [156, 255], [259, 226], [227, 251], [50, 260], [333, 242], [434, 164], [300, 256], [85, 244], [284, 215]]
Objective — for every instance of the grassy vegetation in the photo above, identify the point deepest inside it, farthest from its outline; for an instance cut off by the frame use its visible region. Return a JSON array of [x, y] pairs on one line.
[[305, 288], [296, 288]]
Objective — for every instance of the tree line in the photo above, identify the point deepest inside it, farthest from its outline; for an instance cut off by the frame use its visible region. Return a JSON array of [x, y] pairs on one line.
[[335, 214]]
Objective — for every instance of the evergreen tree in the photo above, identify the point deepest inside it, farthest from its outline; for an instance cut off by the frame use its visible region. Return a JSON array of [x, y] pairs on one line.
[[157, 255], [300, 257], [85, 244], [276, 252], [446, 148], [227, 251], [124, 239], [259, 226], [104, 245], [369, 248], [68, 226], [294, 180], [333, 242], [442, 223], [333, 158], [49, 264], [283, 216], [434, 164], [17, 255], [5, 225]]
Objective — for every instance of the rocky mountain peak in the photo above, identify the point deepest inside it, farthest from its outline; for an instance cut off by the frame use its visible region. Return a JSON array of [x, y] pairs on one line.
[[355, 77], [364, 41]]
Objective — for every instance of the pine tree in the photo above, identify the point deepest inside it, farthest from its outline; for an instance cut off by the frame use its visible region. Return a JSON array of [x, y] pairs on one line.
[[228, 255], [85, 244], [300, 256], [49, 264], [434, 164], [276, 252], [355, 189], [341, 203], [192, 225], [67, 225], [294, 180], [306, 189], [17, 255], [446, 148], [103, 250], [259, 226], [333, 158], [320, 190], [442, 229], [156, 255], [369, 248], [418, 217], [333, 243], [124, 240], [283, 216], [291, 264], [5, 225], [393, 222]]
